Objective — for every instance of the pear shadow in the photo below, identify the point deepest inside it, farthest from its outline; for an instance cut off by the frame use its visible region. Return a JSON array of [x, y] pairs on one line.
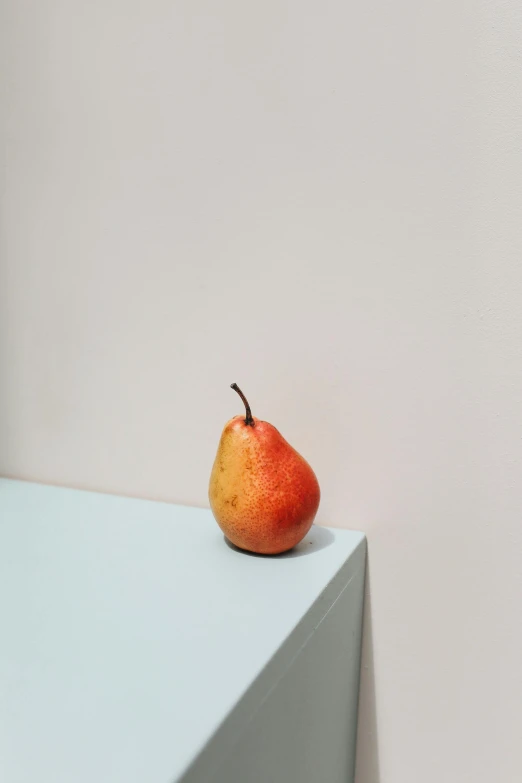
[[317, 538], [367, 767]]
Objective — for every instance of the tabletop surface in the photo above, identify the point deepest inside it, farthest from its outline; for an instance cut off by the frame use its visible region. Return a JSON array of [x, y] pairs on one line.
[[130, 628]]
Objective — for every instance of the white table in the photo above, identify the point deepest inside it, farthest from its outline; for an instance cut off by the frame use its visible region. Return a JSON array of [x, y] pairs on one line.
[[137, 646]]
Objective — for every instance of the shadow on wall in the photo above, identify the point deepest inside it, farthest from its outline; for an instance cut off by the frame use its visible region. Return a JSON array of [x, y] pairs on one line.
[[4, 375], [367, 754]]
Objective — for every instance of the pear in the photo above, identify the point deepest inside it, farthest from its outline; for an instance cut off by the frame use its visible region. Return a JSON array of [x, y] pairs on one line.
[[263, 494]]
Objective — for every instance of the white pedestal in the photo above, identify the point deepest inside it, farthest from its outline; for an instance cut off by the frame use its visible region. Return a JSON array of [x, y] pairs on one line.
[[136, 646]]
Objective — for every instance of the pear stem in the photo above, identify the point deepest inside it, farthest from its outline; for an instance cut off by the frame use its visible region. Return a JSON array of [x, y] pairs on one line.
[[249, 420]]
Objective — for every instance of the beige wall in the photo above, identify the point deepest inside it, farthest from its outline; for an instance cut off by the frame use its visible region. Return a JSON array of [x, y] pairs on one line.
[[322, 202]]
